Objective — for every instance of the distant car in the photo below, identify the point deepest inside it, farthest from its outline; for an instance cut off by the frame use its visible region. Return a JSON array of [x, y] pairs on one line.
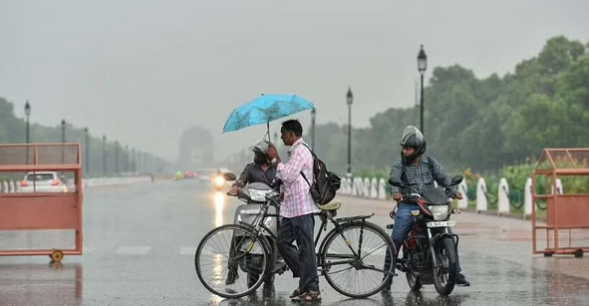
[[218, 179], [178, 176], [219, 182], [43, 181]]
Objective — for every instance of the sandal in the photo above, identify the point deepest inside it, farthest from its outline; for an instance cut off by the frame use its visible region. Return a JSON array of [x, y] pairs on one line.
[[295, 293], [309, 296]]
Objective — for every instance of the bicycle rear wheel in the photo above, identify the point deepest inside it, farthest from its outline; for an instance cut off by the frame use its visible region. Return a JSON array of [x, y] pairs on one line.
[[227, 256], [345, 272]]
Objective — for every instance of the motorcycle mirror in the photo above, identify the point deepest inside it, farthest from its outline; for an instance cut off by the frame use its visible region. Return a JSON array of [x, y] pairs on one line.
[[228, 176], [396, 182], [457, 180]]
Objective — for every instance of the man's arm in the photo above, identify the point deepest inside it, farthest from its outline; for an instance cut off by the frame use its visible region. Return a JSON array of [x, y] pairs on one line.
[[244, 177], [396, 171], [440, 176], [290, 171]]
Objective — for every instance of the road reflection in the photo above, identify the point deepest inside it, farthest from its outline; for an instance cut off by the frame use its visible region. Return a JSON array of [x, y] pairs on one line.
[[219, 205], [41, 284]]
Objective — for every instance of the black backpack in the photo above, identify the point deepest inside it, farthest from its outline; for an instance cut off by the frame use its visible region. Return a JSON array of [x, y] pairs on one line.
[[325, 183]]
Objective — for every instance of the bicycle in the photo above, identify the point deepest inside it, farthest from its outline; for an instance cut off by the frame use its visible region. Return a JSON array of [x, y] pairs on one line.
[[254, 255]]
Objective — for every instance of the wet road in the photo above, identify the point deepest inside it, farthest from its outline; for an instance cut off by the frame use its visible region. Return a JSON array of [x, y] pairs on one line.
[[139, 250]]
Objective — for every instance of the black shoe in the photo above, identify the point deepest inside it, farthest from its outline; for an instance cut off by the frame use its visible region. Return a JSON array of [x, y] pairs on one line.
[[401, 267], [387, 286], [232, 276], [461, 280]]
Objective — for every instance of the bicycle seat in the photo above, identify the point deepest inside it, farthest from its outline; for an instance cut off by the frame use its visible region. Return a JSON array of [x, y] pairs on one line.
[[330, 206]]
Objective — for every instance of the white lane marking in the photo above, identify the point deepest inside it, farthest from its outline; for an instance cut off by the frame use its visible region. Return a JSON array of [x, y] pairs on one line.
[[133, 250]]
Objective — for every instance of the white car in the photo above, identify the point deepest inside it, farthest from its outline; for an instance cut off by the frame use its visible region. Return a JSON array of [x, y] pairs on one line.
[[48, 181]]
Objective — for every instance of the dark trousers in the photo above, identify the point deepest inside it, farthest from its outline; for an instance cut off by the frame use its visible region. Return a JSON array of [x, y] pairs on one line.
[[302, 261]]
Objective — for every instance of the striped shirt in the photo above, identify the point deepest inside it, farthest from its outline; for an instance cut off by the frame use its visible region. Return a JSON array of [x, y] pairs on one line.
[[297, 198]]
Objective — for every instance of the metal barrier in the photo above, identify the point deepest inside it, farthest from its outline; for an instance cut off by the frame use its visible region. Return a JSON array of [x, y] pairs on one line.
[[42, 221], [564, 211]]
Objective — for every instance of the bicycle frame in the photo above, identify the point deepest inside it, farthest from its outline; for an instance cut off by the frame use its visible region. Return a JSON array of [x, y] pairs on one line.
[[258, 224]]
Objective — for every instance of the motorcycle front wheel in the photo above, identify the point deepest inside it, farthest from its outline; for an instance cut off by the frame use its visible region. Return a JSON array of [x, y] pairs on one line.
[[445, 272]]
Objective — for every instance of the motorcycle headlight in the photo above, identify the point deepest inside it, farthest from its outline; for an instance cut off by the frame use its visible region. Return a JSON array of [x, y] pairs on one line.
[[258, 195], [219, 181], [440, 212]]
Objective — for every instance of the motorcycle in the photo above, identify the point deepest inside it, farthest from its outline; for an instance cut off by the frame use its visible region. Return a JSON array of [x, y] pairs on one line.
[[429, 251], [254, 197]]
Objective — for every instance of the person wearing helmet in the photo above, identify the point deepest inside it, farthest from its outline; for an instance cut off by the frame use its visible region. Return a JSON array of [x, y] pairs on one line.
[[260, 171], [419, 172]]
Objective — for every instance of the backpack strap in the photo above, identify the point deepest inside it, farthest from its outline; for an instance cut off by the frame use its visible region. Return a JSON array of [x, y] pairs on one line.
[[305, 179], [311, 150], [314, 156]]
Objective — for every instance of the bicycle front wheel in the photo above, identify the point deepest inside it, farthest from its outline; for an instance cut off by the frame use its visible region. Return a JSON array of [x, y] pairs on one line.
[[227, 257], [359, 273]]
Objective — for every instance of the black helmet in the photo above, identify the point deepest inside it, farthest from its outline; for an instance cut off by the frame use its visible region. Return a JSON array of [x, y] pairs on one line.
[[413, 138], [260, 150]]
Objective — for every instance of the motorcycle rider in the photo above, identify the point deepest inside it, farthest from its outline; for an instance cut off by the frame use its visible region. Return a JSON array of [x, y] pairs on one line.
[[260, 171], [417, 172]]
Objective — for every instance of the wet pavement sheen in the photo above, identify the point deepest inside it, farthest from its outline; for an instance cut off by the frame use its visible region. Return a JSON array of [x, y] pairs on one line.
[[140, 242]]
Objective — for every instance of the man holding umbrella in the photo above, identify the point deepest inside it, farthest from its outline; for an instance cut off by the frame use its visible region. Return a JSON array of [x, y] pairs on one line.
[[297, 211], [298, 207]]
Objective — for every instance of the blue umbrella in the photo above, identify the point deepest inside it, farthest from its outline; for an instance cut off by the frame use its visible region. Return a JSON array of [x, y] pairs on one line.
[[264, 109]]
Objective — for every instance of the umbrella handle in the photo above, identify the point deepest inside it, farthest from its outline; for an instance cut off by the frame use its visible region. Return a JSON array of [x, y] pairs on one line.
[[268, 130]]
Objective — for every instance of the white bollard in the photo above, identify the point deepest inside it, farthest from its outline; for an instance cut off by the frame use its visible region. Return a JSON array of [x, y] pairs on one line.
[[4, 187], [482, 202], [342, 188], [12, 187], [503, 198], [358, 185], [348, 183], [559, 186], [373, 191], [382, 190], [528, 198], [366, 188], [463, 188]]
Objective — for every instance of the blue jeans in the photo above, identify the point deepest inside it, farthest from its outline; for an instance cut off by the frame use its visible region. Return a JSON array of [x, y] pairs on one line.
[[403, 224]]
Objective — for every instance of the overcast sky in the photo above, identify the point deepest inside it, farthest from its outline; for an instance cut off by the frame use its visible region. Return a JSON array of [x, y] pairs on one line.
[[143, 71]]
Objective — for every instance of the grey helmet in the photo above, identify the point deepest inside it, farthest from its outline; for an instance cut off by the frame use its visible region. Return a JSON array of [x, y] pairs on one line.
[[413, 138], [260, 150]]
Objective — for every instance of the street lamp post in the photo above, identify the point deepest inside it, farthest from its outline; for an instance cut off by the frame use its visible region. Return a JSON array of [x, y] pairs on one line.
[[313, 115], [421, 66], [87, 153], [349, 100], [62, 130], [62, 140], [27, 113]]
